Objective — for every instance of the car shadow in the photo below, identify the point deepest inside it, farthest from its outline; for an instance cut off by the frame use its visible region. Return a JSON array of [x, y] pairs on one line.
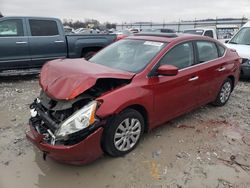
[[16, 78], [246, 80]]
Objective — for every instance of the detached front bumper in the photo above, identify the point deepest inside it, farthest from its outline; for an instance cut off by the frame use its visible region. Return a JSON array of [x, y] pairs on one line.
[[83, 152]]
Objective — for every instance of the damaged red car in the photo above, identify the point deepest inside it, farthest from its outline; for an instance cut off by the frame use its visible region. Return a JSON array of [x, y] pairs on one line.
[[105, 104]]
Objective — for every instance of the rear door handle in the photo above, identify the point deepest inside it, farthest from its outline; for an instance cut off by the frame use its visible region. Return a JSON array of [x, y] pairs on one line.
[[221, 69], [21, 42], [59, 41], [193, 78]]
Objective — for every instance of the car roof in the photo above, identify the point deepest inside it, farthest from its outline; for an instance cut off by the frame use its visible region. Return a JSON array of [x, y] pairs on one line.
[[169, 37], [28, 17]]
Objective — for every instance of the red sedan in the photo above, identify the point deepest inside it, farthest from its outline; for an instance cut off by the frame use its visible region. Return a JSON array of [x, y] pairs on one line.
[[132, 86]]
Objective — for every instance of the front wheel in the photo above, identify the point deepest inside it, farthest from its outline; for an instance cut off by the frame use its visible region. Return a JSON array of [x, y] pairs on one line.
[[224, 93], [123, 133]]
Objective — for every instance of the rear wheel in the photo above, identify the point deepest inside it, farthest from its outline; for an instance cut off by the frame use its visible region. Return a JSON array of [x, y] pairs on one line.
[[88, 55], [123, 133], [224, 93]]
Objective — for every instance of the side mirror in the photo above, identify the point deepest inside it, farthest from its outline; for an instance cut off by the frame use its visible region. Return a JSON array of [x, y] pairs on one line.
[[226, 41], [167, 70]]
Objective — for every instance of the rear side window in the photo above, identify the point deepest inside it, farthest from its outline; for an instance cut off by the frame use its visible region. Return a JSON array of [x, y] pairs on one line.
[[43, 27], [181, 56], [207, 51], [221, 50], [209, 34], [11, 28]]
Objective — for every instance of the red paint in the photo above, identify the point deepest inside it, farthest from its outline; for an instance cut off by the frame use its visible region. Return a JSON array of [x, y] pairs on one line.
[[162, 97], [167, 70], [67, 78], [84, 152]]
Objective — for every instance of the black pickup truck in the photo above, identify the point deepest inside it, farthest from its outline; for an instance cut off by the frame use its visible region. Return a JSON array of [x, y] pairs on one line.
[[28, 42]]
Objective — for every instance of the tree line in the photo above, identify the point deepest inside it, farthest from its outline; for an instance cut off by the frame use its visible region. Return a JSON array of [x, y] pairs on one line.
[[88, 23]]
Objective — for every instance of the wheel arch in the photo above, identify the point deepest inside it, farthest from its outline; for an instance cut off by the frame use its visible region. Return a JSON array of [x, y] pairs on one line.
[[232, 78], [142, 110], [86, 50]]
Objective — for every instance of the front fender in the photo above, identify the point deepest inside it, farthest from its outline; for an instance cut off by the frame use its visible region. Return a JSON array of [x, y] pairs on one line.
[[120, 99]]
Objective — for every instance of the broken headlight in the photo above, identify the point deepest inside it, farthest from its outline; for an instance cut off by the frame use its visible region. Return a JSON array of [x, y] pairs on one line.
[[81, 119]]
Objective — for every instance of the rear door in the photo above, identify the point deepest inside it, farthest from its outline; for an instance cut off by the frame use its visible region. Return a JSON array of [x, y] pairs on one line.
[[211, 69], [46, 39], [14, 51]]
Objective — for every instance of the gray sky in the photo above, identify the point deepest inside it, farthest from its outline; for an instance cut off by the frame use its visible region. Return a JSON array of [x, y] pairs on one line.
[[128, 10]]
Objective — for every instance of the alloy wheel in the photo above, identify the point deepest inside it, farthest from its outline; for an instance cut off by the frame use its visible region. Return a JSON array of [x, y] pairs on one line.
[[127, 134], [225, 92]]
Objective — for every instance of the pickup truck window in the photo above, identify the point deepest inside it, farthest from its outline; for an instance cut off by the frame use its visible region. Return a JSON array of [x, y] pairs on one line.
[[207, 51], [11, 28], [43, 27], [209, 33]]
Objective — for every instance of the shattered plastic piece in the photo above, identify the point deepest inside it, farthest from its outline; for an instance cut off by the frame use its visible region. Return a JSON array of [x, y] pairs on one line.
[[156, 154], [185, 126], [215, 154]]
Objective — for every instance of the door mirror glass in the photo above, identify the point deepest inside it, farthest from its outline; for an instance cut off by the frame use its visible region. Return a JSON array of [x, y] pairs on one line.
[[167, 70]]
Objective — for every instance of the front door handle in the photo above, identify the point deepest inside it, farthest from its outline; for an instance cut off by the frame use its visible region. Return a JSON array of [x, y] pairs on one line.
[[221, 69], [193, 78], [59, 41], [21, 42]]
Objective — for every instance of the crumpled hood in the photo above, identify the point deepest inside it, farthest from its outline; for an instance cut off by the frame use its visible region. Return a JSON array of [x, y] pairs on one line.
[[67, 78]]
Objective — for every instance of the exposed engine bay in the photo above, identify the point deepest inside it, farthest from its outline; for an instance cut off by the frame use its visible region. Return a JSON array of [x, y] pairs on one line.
[[68, 122]]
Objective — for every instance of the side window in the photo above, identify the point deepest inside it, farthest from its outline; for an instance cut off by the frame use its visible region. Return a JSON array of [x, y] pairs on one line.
[[221, 50], [43, 27], [209, 33], [181, 56], [206, 51], [11, 28]]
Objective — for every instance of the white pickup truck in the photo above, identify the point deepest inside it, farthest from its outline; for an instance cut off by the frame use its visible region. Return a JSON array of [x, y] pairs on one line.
[[220, 32], [209, 32]]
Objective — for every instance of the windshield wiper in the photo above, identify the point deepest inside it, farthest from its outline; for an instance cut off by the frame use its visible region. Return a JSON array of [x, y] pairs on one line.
[[233, 42]]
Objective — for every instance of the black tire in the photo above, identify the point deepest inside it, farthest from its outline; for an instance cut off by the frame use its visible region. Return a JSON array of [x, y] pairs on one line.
[[227, 85], [108, 140], [88, 55]]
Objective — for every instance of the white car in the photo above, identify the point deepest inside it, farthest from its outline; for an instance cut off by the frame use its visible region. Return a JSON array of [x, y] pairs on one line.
[[241, 43]]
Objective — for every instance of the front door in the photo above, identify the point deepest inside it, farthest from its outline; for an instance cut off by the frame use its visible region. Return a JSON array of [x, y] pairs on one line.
[[174, 95], [14, 49]]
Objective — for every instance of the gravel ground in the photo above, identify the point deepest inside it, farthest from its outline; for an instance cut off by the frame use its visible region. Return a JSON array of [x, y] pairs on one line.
[[209, 147]]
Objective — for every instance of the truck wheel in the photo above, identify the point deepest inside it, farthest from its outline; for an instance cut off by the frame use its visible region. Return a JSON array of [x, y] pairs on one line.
[[88, 55], [224, 94], [123, 133]]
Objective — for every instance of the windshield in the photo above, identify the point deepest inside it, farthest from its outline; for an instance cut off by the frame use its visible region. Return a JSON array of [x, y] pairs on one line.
[[128, 55], [194, 32], [242, 37]]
